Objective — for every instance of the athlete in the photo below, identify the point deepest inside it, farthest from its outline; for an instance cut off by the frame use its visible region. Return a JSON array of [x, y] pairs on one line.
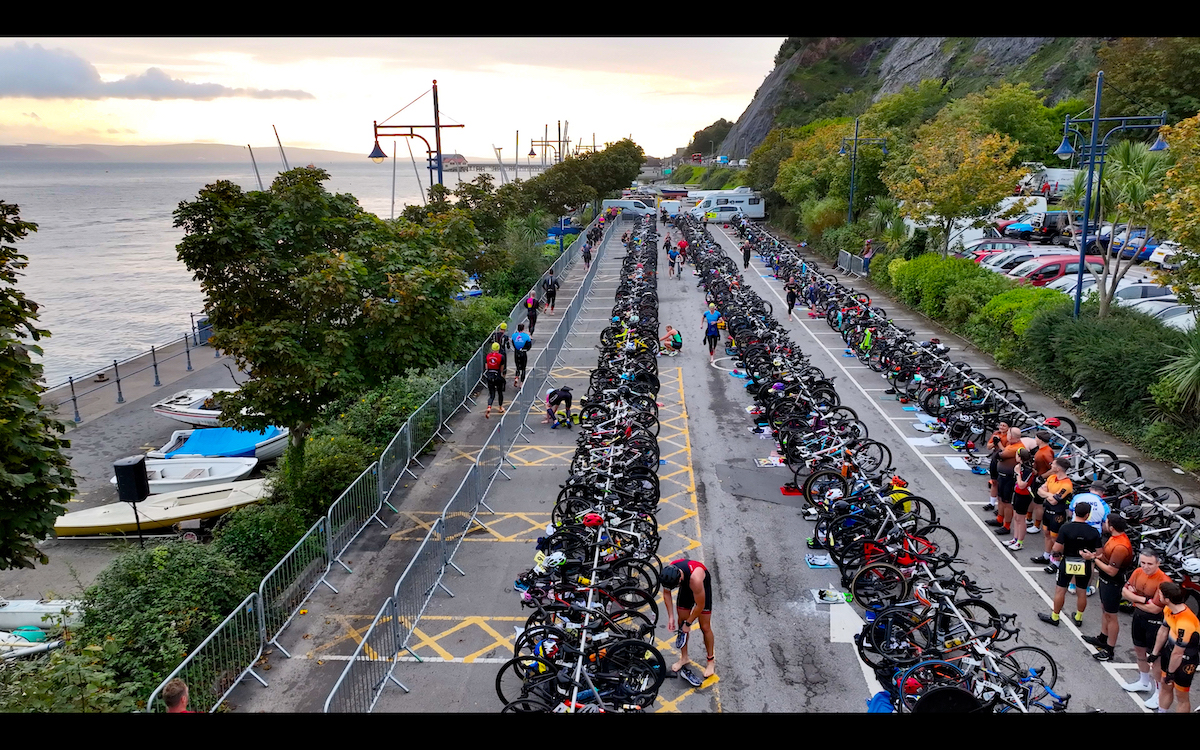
[[1178, 647], [671, 344], [793, 294], [694, 604], [494, 379], [531, 312], [1142, 592], [1074, 538], [712, 334], [522, 343], [550, 285], [500, 336], [553, 399]]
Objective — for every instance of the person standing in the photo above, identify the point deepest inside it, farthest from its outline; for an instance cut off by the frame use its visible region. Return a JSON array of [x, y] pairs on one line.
[[1056, 494], [1112, 565], [694, 604], [998, 442], [522, 343], [1142, 592], [500, 337], [712, 334], [494, 379], [1178, 647], [550, 285], [1043, 459], [175, 695], [1006, 468], [531, 305], [1074, 539], [1021, 497], [745, 255]]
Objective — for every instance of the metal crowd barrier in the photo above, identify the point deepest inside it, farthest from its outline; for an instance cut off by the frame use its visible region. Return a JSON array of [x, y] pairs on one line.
[[370, 667], [349, 515], [363, 679], [393, 462], [843, 261], [289, 584], [220, 662]]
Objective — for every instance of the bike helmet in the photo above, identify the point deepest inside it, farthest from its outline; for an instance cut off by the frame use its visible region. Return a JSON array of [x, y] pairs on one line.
[[550, 392], [777, 387], [504, 326], [1052, 422], [670, 577], [593, 519], [1191, 566], [834, 494], [634, 318], [555, 559], [495, 347], [616, 319], [630, 346]]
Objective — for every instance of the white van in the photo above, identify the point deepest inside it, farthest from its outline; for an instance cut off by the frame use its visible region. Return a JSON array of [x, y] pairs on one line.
[[671, 207], [628, 206], [721, 206]]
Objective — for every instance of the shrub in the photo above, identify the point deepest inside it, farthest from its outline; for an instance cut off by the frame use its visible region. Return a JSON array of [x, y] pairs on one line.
[[1001, 322], [256, 537], [1172, 442], [971, 296], [941, 278], [879, 270], [376, 416], [328, 464], [907, 278], [915, 245], [70, 679], [848, 237], [158, 604]]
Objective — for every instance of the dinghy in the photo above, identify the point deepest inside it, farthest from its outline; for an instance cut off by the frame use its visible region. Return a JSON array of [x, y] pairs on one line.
[[194, 406], [173, 474], [161, 511], [26, 613], [219, 442]]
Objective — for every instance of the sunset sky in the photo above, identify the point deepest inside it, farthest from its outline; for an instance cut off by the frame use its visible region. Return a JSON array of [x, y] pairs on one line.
[[324, 92]]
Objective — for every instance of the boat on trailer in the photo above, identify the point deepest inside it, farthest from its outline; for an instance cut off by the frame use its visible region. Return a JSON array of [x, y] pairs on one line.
[[195, 406]]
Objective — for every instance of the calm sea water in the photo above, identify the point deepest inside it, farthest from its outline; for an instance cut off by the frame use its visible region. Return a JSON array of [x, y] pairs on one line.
[[102, 264]]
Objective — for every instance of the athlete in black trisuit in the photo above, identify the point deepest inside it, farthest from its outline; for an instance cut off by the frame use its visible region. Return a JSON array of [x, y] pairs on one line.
[[694, 604]]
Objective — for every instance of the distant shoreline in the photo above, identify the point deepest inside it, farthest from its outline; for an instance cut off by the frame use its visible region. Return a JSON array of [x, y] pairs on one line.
[[182, 153]]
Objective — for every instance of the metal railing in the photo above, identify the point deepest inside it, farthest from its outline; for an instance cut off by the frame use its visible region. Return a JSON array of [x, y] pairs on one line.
[[289, 584], [361, 679], [285, 589], [222, 660], [370, 667]]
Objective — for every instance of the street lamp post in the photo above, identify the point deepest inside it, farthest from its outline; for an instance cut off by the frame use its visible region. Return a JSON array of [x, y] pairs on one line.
[[545, 145], [377, 155], [854, 161], [1094, 153]]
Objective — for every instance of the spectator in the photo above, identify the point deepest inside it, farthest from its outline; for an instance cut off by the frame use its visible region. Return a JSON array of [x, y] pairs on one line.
[[1055, 492], [175, 695]]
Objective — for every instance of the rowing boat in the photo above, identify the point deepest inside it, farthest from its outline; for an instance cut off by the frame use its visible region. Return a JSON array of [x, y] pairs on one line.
[[194, 406], [161, 511], [172, 474]]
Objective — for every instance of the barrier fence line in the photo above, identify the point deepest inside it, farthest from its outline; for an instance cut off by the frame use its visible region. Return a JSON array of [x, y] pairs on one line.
[[370, 667], [289, 584], [422, 426], [353, 511], [418, 582], [460, 513], [221, 661], [393, 462]]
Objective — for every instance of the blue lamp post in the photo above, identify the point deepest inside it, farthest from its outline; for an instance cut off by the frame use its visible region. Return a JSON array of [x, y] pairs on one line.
[[854, 161], [1094, 154]]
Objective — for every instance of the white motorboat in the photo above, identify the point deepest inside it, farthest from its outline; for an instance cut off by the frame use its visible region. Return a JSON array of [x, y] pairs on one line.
[[161, 511], [25, 613], [172, 474], [195, 406], [226, 442]]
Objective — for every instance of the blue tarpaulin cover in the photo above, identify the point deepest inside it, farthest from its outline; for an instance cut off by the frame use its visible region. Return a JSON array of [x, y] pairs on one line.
[[223, 441]]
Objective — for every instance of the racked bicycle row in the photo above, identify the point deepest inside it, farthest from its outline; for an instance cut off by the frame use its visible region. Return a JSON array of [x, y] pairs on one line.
[[893, 555], [588, 646]]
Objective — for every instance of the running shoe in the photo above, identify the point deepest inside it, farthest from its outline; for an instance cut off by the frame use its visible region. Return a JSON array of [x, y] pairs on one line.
[[680, 638], [1031, 529], [1048, 619], [1071, 588], [1040, 559]]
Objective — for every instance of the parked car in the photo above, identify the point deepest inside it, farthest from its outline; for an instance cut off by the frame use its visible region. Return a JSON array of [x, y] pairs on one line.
[[1184, 322], [1043, 270], [1128, 293], [1067, 283], [1164, 256], [1156, 308], [1135, 246], [977, 249], [1010, 259], [1044, 227]]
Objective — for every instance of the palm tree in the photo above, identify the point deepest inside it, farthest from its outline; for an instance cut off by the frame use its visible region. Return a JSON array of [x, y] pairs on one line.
[[895, 234], [882, 214], [1135, 175]]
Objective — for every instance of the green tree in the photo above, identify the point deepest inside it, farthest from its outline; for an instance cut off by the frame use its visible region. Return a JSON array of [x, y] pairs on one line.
[[1163, 73], [1014, 110], [766, 159], [68, 680], [707, 140], [316, 297], [952, 175], [1177, 207], [35, 475], [907, 109]]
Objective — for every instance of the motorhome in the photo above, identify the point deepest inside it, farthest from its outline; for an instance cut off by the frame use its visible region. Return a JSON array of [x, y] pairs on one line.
[[723, 205], [1045, 181]]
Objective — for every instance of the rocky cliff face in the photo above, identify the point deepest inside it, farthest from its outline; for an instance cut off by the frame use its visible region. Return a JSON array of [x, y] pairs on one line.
[[820, 70]]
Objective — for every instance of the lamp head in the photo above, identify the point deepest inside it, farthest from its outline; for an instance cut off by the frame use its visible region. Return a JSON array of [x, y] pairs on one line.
[[1064, 150], [377, 154], [842, 152], [1159, 144]]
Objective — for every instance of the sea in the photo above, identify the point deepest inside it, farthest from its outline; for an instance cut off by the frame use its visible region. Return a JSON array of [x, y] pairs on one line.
[[102, 264]]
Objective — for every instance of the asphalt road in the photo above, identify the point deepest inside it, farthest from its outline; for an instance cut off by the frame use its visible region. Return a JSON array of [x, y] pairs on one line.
[[1020, 586]]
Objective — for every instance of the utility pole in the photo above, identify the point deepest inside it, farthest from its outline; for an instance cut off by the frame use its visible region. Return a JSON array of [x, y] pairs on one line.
[[437, 131]]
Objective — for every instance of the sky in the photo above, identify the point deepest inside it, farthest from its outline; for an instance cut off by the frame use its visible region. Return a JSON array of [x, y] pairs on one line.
[[325, 92]]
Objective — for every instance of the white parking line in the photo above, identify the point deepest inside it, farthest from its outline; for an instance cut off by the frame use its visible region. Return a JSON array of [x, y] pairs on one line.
[[1046, 598]]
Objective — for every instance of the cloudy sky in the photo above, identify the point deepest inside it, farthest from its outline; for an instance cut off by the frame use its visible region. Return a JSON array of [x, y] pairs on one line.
[[325, 92]]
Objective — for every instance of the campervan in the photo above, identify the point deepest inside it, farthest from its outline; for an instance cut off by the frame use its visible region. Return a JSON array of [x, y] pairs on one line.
[[722, 206]]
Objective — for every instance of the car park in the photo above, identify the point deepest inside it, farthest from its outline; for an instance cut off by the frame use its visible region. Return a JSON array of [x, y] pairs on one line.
[[1156, 308], [1045, 227], [1165, 256], [1184, 322], [1134, 246], [1010, 259], [1043, 270], [984, 246], [1128, 293]]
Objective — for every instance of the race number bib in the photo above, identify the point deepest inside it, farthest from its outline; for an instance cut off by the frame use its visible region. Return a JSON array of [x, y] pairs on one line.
[[1075, 567]]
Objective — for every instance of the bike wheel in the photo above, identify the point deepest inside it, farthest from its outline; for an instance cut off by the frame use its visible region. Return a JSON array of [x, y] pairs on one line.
[[945, 539], [914, 512], [526, 706], [921, 678], [1031, 666], [873, 458], [898, 635], [638, 668], [879, 585], [527, 677], [630, 597], [823, 487]]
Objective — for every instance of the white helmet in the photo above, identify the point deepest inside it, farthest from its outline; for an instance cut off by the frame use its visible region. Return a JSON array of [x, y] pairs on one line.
[[1191, 565], [550, 392]]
